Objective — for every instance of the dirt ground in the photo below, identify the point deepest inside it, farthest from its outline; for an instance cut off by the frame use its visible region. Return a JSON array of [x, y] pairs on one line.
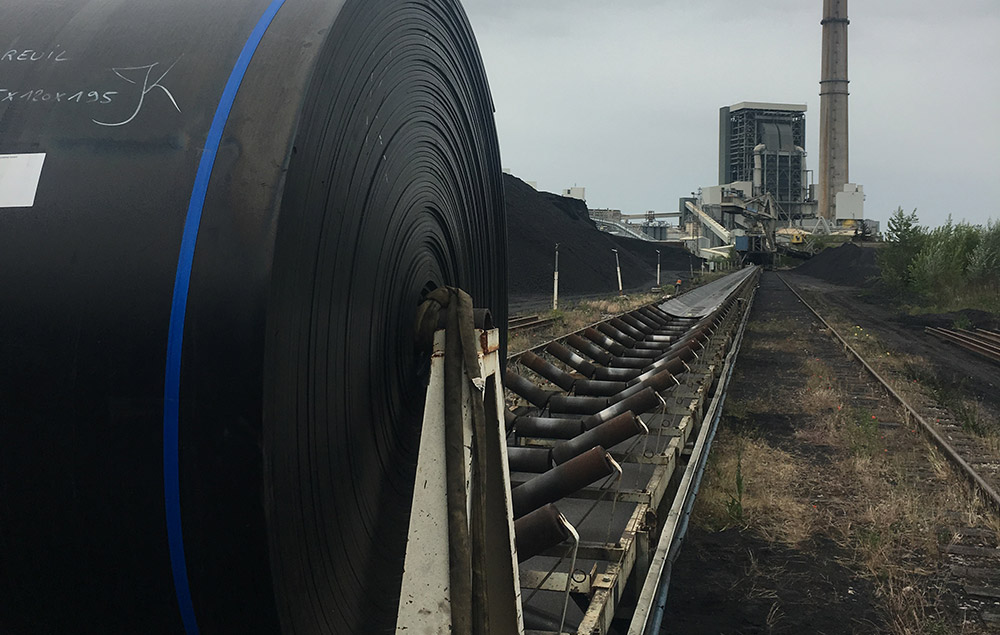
[[822, 511]]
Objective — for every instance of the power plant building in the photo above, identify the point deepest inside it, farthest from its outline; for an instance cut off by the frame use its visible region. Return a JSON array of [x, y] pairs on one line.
[[763, 144]]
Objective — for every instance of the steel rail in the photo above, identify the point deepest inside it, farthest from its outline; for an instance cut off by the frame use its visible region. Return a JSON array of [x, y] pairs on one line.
[[525, 323], [993, 336], [946, 448], [981, 345]]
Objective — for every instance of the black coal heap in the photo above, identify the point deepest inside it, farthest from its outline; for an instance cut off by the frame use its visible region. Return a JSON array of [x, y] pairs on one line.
[[536, 221]]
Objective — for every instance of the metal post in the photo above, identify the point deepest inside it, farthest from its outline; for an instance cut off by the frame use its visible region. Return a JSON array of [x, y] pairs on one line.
[[555, 283], [657, 268], [618, 268]]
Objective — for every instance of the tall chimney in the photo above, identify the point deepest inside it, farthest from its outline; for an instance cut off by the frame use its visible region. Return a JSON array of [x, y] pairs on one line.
[[833, 107]]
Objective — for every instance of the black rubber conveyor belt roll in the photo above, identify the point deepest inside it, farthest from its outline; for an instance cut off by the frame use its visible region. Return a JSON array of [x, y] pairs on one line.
[[210, 398]]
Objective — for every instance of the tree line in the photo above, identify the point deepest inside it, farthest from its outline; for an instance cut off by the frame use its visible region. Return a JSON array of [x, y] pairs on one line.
[[956, 265]]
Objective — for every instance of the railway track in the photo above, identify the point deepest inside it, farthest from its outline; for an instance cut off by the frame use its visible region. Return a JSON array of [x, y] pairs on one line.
[[971, 555], [527, 322], [648, 385], [980, 341]]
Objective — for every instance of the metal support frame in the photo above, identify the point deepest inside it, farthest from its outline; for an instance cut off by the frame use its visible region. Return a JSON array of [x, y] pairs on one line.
[[425, 604]]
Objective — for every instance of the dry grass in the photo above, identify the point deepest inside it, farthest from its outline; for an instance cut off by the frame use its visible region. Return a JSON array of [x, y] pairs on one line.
[[765, 501], [866, 500], [772, 335], [745, 408]]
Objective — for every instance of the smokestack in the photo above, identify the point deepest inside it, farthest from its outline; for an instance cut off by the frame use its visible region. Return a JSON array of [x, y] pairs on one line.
[[833, 107]]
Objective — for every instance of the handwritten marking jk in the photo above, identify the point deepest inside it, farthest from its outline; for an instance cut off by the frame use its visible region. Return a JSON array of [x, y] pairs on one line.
[[147, 87]]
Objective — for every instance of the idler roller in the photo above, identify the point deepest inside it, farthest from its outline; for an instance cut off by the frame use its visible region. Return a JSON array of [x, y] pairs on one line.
[[646, 322], [629, 328], [631, 362], [675, 365], [664, 320], [538, 531], [655, 342], [643, 401], [626, 340], [547, 370], [598, 388], [210, 394], [666, 316], [561, 481], [509, 418], [659, 382], [607, 373], [590, 349], [571, 359], [526, 389], [548, 427], [607, 435], [605, 342], [536, 460], [673, 332], [653, 313], [577, 405], [644, 353]]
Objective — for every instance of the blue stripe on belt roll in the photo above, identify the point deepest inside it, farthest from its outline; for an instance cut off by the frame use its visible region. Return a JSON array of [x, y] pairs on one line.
[[212, 417], [178, 307]]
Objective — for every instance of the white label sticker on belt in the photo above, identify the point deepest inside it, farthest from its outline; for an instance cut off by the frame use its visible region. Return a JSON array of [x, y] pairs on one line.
[[19, 174]]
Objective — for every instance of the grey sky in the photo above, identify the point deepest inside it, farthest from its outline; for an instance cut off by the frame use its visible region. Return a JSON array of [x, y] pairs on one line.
[[623, 97]]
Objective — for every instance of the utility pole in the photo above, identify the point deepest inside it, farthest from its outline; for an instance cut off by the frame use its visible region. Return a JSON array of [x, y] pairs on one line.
[[618, 268], [657, 268], [555, 283]]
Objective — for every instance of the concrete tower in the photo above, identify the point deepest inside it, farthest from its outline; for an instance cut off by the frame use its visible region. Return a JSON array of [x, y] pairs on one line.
[[833, 107]]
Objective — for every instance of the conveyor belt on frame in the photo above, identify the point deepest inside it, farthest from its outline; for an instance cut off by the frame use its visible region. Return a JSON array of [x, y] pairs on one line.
[[634, 388]]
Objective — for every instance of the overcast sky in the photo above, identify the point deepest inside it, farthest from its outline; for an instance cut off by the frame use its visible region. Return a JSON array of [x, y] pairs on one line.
[[623, 97]]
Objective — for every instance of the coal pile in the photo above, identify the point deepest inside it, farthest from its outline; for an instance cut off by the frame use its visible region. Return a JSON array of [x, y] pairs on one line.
[[536, 221], [848, 265]]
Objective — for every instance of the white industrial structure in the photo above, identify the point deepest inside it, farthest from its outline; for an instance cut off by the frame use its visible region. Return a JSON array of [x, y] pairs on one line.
[[850, 203]]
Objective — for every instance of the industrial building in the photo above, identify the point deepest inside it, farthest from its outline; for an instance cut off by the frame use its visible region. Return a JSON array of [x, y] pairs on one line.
[[764, 182], [763, 144]]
